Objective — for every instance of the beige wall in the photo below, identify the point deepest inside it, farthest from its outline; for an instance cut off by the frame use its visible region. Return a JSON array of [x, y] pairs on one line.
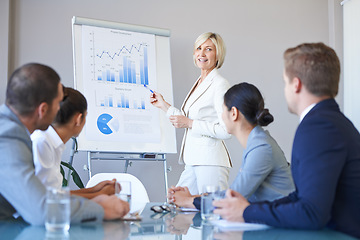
[[256, 33], [352, 61], [4, 46]]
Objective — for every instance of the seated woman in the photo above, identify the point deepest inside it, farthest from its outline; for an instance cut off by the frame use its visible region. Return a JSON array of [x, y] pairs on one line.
[[264, 174], [49, 145]]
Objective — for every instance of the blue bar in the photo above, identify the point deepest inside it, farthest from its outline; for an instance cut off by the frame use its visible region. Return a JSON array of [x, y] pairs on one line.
[[108, 75], [118, 104], [146, 66], [127, 103], [125, 69], [121, 75], [142, 77], [106, 102], [142, 104], [133, 73], [112, 77], [129, 72], [99, 78], [110, 102], [123, 101], [104, 75]]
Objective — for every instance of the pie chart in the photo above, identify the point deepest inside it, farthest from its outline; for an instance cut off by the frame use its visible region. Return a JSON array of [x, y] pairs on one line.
[[102, 123]]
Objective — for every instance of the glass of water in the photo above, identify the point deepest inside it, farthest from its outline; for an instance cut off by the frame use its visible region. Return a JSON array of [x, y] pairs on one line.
[[210, 193], [125, 192], [57, 210]]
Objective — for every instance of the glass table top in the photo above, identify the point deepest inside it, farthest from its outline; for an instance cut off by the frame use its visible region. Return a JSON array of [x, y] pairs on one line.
[[161, 226]]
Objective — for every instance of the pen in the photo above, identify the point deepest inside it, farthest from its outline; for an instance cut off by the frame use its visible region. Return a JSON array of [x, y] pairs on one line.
[[149, 88]]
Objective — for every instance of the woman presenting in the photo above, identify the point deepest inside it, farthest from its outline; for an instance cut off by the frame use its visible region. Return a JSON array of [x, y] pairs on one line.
[[207, 161], [264, 174]]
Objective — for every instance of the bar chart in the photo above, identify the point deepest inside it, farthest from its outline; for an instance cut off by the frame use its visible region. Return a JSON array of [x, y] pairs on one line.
[[120, 100], [116, 66], [126, 70]]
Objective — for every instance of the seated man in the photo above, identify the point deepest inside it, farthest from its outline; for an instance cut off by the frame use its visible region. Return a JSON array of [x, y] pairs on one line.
[[33, 95], [325, 155]]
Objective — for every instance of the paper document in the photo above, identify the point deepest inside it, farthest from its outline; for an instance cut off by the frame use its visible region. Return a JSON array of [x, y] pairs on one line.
[[239, 226]]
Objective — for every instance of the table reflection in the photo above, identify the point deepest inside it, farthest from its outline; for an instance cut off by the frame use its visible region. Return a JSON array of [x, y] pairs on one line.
[[167, 225], [281, 234]]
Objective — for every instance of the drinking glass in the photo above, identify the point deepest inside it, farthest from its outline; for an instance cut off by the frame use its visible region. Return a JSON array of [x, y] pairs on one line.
[[57, 210], [210, 193], [125, 192]]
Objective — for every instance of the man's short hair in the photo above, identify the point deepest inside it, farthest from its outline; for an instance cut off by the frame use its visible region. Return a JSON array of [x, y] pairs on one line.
[[316, 65], [29, 86]]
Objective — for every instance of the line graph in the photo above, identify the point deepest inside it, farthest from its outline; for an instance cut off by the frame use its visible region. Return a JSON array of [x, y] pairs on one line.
[[128, 68], [120, 116], [124, 59], [117, 64], [112, 56]]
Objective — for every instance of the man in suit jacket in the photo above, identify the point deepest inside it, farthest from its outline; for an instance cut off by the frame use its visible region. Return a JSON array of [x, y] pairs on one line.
[[325, 155], [33, 95]]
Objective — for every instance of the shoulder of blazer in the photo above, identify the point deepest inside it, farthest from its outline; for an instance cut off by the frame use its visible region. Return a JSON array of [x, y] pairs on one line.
[[325, 105], [258, 138], [219, 80], [201, 89], [12, 127]]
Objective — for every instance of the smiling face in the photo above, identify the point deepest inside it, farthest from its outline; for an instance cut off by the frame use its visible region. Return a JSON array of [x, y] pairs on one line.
[[205, 55]]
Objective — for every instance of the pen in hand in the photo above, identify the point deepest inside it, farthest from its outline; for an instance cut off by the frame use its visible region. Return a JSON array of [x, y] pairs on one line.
[[148, 88]]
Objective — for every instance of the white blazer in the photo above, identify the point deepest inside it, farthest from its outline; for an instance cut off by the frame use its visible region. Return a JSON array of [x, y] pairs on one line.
[[203, 144]]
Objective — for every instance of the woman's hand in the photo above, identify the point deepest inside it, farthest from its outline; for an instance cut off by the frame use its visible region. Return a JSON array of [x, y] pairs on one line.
[[114, 207], [180, 121], [157, 100], [108, 189], [171, 192], [182, 197], [98, 187], [179, 224]]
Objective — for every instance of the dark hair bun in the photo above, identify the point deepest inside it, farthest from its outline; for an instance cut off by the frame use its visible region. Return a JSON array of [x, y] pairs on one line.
[[249, 101], [264, 117]]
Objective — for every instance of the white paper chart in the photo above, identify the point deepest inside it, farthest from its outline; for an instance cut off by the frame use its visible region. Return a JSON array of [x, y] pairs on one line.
[[116, 66]]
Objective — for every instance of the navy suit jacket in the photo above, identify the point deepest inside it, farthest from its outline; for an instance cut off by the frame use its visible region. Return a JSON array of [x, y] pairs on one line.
[[326, 172]]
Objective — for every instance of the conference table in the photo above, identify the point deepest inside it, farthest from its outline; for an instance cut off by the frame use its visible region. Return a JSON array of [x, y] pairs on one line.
[[168, 225]]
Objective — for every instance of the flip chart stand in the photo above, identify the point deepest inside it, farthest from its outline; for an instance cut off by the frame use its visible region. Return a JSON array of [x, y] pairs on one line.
[[128, 158]]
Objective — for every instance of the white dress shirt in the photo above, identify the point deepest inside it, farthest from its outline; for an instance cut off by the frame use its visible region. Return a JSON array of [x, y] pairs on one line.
[[306, 110], [47, 150]]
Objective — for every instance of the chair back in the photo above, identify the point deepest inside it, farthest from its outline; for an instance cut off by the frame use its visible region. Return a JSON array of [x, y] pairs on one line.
[[139, 196]]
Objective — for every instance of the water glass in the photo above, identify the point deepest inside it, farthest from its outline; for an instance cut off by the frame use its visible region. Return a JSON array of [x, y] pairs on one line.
[[57, 235], [57, 210], [210, 193], [207, 231], [125, 192]]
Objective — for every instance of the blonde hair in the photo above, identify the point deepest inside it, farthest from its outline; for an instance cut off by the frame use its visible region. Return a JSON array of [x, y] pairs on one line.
[[219, 45]]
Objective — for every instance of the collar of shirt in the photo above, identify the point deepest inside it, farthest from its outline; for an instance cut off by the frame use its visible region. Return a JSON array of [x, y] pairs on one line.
[[55, 138], [306, 111]]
